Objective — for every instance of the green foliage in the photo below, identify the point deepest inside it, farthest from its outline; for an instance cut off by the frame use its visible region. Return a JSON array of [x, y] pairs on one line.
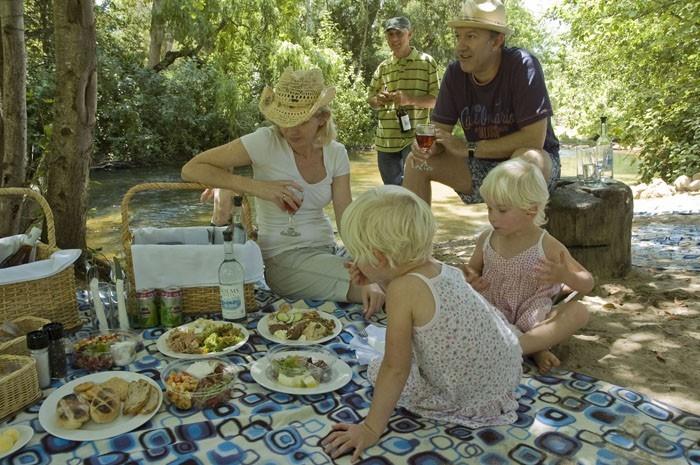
[[637, 62]]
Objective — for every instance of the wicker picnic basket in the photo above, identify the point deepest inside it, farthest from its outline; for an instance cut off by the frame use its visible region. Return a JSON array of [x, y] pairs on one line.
[[195, 300], [52, 297], [19, 383], [18, 345]]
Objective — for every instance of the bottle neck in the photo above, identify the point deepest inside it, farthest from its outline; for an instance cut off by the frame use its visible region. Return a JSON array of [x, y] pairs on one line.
[[228, 250]]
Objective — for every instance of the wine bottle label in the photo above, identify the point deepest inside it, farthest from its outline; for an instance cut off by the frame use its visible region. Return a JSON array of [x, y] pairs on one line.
[[232, 303], [405, 122]]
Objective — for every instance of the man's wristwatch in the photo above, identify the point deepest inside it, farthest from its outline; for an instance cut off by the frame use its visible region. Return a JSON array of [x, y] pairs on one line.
[[471, 149]]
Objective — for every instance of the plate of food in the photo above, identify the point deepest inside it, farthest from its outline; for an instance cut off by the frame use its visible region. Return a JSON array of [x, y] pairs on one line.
[[301, 370], [295, 327], [13, 438], [202, 338], [100, 406]]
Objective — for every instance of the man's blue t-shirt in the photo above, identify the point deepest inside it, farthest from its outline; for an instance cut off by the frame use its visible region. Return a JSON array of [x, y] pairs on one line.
[[515, 98]]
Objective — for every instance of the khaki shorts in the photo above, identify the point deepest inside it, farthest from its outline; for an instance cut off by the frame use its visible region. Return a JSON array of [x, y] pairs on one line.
[[317, 273]]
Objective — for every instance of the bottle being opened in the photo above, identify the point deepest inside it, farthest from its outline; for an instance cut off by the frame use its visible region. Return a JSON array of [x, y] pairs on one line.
[[231, 282], [404, 120], [239, 232]]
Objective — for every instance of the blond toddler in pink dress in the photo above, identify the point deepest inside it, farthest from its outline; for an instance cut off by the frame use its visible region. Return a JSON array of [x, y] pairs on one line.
[[449, 354], [519, 267]]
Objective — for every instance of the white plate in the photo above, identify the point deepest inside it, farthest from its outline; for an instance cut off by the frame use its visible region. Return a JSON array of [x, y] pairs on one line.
[[92, 431], [341, 374], [264, 330], [162, 343], [25, 434]]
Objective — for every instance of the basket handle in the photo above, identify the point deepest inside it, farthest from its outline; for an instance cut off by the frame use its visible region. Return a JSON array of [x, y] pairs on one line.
[[126, 236], [46, 209]]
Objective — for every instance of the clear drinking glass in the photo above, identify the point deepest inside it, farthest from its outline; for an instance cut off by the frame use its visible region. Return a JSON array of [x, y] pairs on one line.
[[425, 136], [590, 166], [291, 211]]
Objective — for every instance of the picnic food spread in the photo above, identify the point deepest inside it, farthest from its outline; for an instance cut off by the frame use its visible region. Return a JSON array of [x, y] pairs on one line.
[[290, 324], [204, 337], [104, 402]]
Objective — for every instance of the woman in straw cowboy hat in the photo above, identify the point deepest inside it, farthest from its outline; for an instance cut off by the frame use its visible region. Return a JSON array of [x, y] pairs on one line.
[[297, 166], [498, 96]]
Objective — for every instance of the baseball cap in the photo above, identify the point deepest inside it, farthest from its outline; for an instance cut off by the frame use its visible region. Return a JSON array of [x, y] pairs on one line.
[[399, 22]]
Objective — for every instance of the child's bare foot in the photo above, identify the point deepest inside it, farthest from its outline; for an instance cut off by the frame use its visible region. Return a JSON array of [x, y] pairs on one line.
[[545, 360]]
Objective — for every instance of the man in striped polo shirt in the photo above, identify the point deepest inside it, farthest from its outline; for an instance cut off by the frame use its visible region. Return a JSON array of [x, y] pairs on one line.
[[408, 80]]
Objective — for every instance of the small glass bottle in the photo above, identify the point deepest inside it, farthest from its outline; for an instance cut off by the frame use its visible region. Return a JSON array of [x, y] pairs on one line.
[[605, 151], [239, 232], [57, 349], [231, 282], [38, 345]]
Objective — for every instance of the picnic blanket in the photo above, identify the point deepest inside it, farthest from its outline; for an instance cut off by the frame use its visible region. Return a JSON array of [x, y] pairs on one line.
[[666, 246], [564, 418]]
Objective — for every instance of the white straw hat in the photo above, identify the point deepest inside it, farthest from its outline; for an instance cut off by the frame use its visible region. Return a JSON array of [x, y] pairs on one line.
[[482, 14], [297, 96]]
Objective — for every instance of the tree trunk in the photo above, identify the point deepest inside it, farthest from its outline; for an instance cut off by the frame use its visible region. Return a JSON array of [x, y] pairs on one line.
[[13, 114], [74, 120], [157, 33]]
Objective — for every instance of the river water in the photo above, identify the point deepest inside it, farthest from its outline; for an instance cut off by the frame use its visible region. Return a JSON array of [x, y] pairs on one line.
[[182, 208]]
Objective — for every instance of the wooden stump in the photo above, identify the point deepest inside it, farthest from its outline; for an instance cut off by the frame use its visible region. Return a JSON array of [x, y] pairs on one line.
[[595, 224]]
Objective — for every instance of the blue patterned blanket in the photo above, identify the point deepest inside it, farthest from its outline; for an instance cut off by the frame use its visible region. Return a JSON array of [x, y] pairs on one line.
[[564, 418]]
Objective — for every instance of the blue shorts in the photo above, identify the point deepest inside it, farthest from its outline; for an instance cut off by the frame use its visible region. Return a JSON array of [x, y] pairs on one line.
[[480, 167]]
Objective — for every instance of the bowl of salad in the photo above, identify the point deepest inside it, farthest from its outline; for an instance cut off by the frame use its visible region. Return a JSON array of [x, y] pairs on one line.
[[101, 350], [199, 384], [300, 366]]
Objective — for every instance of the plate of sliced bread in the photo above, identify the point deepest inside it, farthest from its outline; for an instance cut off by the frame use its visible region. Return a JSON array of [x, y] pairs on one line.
[[100, 406]]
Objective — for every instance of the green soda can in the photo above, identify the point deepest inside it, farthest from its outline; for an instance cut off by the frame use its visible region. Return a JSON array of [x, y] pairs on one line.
[[171, 307], [147, 307]]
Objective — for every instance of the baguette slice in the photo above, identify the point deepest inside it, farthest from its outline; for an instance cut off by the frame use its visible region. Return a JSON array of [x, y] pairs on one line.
[[137, 397], [152, 403]]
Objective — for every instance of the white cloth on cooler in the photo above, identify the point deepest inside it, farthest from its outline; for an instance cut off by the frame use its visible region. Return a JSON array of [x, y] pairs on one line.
[[161, 266], [59, 261]]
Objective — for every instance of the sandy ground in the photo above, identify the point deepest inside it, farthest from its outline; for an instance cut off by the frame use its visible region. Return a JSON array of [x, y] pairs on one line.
[[644, 331]]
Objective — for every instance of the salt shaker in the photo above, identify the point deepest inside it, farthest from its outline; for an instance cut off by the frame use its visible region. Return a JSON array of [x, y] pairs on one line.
[[57, 349], [38, 345]]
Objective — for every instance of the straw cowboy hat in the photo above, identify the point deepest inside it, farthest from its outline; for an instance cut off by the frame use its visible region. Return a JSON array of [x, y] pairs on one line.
[[482, 14], [297, 96]]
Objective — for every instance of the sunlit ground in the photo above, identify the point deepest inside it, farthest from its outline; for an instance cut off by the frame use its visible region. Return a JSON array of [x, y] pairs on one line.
[[159, 209]]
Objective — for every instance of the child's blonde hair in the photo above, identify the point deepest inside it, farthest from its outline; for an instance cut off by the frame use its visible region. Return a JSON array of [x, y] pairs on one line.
[[517, 183], [391, 220]]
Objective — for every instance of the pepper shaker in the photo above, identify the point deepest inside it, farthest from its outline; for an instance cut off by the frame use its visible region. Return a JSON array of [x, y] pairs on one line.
[[38, 345], [57, 349]]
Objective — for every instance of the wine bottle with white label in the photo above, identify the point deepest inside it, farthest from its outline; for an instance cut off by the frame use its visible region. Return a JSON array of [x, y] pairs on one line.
[[231, 283]]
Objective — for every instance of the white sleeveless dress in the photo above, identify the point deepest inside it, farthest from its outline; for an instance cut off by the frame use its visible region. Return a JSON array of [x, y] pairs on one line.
[[466, 361]]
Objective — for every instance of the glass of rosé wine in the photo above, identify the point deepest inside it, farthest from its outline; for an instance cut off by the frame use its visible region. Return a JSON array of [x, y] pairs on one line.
[[425, 136], [292, 209]]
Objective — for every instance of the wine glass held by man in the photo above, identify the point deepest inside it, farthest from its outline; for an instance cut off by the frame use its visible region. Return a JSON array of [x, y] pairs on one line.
[[297, 152]]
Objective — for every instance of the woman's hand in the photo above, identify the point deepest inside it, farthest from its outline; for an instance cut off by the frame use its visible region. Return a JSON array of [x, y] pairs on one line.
[[279, 192], [357, 277], [346, 437]]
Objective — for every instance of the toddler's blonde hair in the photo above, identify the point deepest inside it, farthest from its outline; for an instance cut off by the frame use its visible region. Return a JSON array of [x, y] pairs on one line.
[[391, 220], [517, 183]]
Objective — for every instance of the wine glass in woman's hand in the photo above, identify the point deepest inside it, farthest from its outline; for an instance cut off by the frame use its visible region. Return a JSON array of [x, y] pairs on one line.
[[292, 206]]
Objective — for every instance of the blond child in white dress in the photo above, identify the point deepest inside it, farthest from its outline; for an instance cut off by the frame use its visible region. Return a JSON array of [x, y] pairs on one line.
[[449, 355], [519, 267]]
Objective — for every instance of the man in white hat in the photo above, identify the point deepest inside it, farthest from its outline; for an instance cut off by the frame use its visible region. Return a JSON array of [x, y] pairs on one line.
[[499, 97], [405, 82]]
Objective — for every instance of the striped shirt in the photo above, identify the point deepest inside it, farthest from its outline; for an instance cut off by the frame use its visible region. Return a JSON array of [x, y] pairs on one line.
[[414, 74]]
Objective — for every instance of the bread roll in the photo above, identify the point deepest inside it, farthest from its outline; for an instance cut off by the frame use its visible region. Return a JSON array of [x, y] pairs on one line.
[[137, 396], [118, 385], [72, 412], [105, 406]]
